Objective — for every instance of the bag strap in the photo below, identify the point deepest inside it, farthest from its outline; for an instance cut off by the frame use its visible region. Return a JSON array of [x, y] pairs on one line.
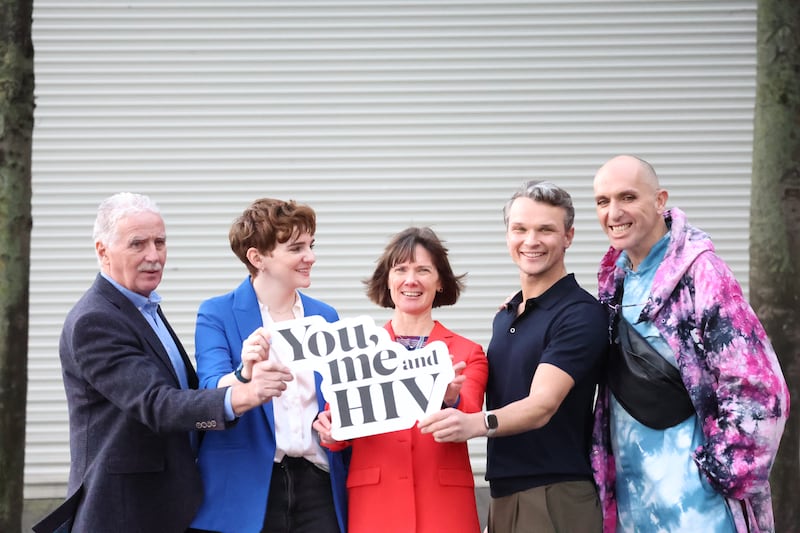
[[642, 380]]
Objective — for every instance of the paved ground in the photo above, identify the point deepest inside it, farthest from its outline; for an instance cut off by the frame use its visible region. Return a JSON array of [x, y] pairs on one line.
[[35, 509]]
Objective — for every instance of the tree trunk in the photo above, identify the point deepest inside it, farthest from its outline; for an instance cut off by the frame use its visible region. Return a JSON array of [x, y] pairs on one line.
[[775, 225], [16, 125]]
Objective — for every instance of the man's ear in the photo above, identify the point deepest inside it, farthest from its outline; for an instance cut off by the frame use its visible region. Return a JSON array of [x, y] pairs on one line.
[[661, 200], [100, 249], [568, 236]]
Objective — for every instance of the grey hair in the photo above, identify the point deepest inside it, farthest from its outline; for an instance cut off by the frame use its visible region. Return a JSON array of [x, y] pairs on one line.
[[116, 207], [545, 192]]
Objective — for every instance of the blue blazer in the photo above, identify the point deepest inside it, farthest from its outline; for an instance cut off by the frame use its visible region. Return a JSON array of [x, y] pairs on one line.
[[236, 465]]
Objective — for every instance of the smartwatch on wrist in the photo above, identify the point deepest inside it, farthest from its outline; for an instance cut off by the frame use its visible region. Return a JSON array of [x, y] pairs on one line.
[[238, 373], [490, 420]]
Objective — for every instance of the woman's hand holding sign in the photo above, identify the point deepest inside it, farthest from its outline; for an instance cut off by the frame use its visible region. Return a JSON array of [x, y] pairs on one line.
[[454, 387], [258, 379], [255, 348], [322, 425]]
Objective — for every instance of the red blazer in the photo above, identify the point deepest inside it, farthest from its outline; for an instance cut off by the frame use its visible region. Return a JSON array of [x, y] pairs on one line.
[[404, 481]]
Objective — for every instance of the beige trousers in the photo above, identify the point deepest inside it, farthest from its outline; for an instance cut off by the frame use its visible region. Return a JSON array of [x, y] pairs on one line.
[[567, 507]]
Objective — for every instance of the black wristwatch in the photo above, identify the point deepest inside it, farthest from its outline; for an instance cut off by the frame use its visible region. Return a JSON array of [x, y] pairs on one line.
[[238, 373], [490, 420]]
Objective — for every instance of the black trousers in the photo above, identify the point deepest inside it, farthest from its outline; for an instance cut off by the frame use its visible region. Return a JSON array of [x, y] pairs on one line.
[[300, 499]]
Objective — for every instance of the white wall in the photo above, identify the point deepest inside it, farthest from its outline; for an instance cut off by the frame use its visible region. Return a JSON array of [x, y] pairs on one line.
[[379, 114]]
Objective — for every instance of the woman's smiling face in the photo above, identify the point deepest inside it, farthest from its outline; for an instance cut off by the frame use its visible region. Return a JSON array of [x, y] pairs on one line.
[[414, 282]]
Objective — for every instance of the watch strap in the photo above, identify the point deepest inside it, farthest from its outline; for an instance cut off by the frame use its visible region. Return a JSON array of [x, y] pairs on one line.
[[238, 373]]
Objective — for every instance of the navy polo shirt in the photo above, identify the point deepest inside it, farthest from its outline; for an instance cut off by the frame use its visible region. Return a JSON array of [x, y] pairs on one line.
[[566, 327]]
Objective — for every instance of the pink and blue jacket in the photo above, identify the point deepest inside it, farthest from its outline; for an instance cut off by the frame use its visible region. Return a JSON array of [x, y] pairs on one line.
[[728, 367]]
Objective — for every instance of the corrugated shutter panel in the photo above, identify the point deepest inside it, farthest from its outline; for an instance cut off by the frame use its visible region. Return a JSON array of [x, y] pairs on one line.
[[380, 115]]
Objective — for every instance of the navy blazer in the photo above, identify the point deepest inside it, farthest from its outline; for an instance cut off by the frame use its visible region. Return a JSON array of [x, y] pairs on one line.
[[236, 465], [129, 420]]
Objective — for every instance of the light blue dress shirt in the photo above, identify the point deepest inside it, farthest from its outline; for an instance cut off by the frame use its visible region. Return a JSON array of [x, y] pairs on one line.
[[149, 309]]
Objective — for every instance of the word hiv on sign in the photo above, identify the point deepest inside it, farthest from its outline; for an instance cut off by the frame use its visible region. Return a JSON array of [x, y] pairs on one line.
[[373, 384]]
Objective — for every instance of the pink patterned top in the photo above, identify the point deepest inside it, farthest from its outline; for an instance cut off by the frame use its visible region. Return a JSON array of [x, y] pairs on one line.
[[728, 366]]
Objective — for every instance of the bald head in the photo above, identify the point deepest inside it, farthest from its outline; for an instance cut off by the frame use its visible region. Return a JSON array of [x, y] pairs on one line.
[[630, 205], [629, 166]]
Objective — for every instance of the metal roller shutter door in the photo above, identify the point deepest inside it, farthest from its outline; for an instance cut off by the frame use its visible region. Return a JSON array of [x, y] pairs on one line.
[[379, 114]]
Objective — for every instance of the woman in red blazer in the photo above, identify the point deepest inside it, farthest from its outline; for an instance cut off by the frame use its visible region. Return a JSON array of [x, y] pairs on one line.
[[404, 481]]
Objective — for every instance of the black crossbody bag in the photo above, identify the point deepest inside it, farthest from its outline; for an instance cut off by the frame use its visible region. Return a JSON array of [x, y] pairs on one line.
[[643, 382]]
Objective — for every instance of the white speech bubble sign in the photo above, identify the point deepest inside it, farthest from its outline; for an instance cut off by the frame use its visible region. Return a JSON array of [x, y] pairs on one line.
[[373, 384]]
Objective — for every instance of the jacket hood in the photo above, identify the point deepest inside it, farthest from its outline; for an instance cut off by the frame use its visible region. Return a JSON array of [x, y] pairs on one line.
[[686, 243]]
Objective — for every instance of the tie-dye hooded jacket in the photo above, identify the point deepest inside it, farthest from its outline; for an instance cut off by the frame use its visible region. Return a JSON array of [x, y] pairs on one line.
[[728, 366]]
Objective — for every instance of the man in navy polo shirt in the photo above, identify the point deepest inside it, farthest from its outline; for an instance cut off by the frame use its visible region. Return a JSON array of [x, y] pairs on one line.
[[548, 343]]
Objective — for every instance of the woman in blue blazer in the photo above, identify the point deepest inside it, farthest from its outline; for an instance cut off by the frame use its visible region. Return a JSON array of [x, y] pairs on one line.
[[269, 473]]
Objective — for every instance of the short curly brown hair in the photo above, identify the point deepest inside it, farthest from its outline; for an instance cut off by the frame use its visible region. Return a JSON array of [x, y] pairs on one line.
[[267, 222]]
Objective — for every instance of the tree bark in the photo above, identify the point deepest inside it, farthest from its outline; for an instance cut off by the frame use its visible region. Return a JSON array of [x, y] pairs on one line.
[[16, 125], [775, 225]]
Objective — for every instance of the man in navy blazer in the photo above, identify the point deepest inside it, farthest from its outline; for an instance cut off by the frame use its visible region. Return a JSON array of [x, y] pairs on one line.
[[135, 414]]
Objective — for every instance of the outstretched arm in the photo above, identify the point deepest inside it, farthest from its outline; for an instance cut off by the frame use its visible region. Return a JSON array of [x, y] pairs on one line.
[[549, 387]]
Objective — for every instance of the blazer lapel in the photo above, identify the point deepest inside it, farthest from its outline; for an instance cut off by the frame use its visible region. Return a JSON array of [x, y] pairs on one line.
[[439, 333], [247, 315], [246, 311], [140, 323], [191, 375]]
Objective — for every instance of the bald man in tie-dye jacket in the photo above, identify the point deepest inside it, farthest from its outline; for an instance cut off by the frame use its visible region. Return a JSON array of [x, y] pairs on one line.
[[726, 361]]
